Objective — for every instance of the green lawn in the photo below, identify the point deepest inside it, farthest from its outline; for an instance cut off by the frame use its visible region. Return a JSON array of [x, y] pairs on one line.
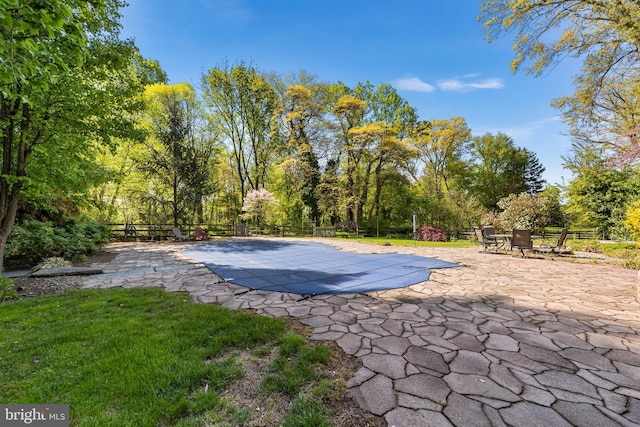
[[411, 242], [144, 357]]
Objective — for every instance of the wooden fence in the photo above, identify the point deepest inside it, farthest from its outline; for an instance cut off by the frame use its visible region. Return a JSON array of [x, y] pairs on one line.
[[164, 231]]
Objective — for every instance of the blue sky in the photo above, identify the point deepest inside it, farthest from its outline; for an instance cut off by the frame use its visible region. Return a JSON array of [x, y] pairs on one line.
[[433, 51]]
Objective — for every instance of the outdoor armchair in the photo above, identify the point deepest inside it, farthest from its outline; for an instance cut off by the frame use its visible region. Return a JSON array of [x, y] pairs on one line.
[[179, 235], [521, 240], [484, 240], [557, 247]]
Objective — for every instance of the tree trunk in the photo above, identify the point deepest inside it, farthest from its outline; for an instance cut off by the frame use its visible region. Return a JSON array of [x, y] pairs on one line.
[[10, 192], [6, 226], [175, 201]]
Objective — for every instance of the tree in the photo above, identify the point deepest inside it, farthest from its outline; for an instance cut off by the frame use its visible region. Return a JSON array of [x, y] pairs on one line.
[[391, 151], [350, 112], [65, 88], [257, 204], [179, 151], [328, 194], [533, 171], [600, 192], [299, 113], [605, 34], [632, 221], [498, 169], [372, 126], [441, 146], [242, 105], [111, 199]]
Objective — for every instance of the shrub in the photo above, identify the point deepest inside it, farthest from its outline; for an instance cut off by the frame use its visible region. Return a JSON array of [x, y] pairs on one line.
[[430, 234], [258, 205], [632, 222], [33, 241], [6, 289], [524, 211]]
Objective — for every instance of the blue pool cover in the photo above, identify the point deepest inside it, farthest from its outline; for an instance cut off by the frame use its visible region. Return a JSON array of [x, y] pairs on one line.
[[311, 268]]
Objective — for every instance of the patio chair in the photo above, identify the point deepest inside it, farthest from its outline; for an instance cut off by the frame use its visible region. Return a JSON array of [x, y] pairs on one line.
[[179, 235], [521, 240], [486, 242], [200, 234], [488, 230], [557, 248]]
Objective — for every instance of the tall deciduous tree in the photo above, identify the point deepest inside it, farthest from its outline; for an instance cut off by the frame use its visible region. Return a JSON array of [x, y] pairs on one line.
[[242, 105], [300, 111], [391, 154], [373, 128], [498, 170], [442, 146], [64, 87], [349, 112], [605, 34], [110, 199], [600, 192]]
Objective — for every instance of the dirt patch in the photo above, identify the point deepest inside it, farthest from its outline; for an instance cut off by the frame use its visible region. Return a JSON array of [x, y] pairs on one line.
[[268, 411], [96, 258]]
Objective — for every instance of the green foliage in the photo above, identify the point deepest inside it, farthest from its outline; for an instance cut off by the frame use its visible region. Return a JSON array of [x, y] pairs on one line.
[[632, 222], [605, 35], [499, 169], [6, 289], [442, 146], [294, 366], [33, 241], [553, 195], [599, 194], [524, 211], [164, 338], [179, 154], [242, 105], [66, 89]]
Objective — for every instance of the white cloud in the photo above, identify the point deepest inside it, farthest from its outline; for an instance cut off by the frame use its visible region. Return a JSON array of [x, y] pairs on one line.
[[523, 131], [463, 85], [413, 84]]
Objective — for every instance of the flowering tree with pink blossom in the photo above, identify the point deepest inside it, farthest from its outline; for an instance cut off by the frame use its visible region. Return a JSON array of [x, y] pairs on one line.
[[257, 205]]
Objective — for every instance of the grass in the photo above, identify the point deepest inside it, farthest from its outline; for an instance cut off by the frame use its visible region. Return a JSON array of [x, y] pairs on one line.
[[411, 242], [629, 253], [144, 357]]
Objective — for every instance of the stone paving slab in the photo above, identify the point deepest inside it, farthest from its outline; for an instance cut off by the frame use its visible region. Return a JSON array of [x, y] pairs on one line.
[[501, 341], [66, 271]]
